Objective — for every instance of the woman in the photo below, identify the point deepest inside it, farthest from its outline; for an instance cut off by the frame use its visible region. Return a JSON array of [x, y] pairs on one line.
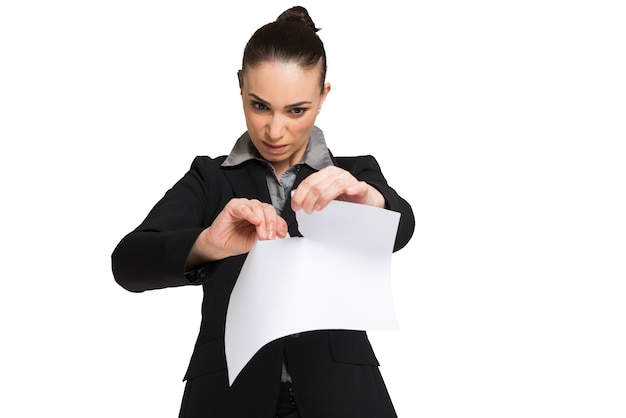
[[201, 230]]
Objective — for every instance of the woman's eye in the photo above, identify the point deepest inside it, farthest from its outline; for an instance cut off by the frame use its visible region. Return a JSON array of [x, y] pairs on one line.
[[259, 106], [299, 111]]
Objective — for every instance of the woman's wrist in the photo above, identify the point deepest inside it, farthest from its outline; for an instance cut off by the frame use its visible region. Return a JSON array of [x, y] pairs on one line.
[[204, 250]]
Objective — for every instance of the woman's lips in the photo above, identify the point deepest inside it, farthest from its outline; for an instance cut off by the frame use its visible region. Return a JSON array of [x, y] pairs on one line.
[[274, 149]]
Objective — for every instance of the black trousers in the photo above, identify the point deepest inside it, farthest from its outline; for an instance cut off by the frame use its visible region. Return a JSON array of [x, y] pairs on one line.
[[287, 407]]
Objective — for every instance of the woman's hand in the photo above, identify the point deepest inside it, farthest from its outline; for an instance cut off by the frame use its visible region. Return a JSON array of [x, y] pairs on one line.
[[235, 230], [333, 183]]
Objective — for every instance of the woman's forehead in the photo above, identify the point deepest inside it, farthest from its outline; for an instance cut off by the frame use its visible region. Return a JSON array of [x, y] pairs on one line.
[[282, 82]]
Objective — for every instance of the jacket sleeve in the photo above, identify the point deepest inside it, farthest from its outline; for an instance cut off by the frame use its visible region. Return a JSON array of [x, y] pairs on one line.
[[153, 256], [367, 169]]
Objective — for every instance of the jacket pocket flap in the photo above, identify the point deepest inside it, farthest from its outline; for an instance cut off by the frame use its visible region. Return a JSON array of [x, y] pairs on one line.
[[207, 357], [352, 347]]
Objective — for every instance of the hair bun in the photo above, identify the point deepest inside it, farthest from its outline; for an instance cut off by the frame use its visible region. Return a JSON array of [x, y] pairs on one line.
[[297, 14]]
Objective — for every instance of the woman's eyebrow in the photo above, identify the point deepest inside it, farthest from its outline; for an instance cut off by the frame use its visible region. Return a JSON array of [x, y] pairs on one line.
[[304, 102], [265, 102]]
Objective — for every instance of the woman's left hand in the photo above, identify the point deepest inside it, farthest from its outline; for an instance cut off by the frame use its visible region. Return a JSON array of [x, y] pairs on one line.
[[333, 183]]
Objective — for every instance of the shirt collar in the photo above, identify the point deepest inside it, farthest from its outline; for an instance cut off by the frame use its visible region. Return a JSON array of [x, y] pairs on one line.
[[316, 154]]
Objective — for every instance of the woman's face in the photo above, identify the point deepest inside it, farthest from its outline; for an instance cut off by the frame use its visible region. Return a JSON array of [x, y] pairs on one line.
[[280, 103]]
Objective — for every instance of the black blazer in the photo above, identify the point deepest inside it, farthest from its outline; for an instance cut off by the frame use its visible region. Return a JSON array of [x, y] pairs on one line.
[[334, 372]]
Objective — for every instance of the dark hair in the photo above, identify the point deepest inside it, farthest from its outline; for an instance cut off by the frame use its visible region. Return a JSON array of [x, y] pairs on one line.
[[291, 38]]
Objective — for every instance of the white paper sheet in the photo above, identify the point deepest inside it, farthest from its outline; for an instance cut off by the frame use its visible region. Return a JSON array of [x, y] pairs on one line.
[[338, 276]]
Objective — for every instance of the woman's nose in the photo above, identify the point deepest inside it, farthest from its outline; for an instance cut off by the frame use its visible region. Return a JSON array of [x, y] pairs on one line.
[[276, 127]]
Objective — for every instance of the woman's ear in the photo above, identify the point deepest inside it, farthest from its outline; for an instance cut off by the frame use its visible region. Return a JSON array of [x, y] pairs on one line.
[[325, 92], [240, 80]]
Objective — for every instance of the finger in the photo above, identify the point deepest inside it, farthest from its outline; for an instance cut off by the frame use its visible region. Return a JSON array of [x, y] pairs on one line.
[[310, 189], [267, 229], [328, 186], [357, 190], [244, 209], [264, 218], [257, 215], [282, 229]]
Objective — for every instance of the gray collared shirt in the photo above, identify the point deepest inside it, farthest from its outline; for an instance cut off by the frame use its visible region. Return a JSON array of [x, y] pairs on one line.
[[316, 156]]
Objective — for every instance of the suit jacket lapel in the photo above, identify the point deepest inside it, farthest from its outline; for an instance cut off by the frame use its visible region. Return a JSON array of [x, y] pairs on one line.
[[248, 180]]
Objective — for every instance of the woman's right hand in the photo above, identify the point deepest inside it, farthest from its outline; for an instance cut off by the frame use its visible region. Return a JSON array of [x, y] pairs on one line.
[[235, 230]]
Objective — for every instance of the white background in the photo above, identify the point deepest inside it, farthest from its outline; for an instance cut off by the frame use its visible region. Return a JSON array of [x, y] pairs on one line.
[[502, 122]]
